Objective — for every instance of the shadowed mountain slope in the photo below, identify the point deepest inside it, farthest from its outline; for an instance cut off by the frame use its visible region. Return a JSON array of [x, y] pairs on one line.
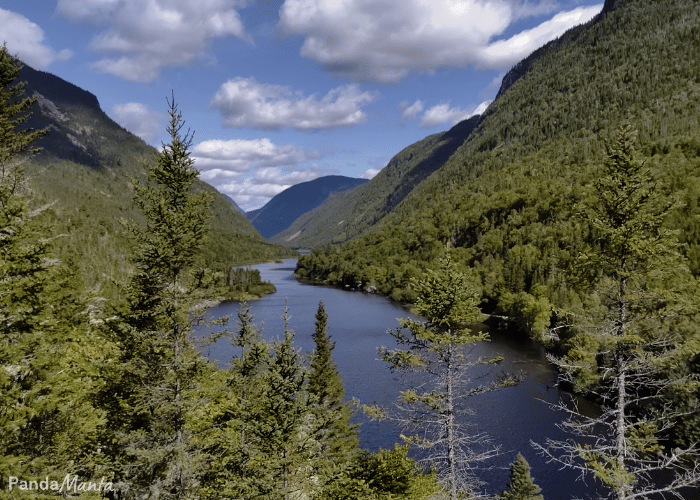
[[85, 172]]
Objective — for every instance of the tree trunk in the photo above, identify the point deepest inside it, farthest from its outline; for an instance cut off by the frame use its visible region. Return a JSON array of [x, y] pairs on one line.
[[449, 423]]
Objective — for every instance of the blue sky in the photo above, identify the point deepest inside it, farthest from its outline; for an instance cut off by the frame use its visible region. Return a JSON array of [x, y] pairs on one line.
[[283, 91]]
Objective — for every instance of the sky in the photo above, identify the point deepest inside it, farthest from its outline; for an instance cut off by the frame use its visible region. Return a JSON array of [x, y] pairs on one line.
[[279, 92]]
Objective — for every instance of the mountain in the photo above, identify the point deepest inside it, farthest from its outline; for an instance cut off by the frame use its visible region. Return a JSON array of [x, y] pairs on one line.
[[84, 173], [505, 200], [279, 213], [233, 202], [350, 214]]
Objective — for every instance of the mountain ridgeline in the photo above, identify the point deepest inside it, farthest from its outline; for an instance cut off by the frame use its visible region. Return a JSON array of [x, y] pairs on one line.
[[85, 172], [283, 209], [505, 197], [349, 214]]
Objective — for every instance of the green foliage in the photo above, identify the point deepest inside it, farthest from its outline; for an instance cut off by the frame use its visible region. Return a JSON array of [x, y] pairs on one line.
[[385, 475], [159, 371], [337, 438], [46, 422], [243, 284], [447, 299], [621, 353], [14, 111], [521, 485]]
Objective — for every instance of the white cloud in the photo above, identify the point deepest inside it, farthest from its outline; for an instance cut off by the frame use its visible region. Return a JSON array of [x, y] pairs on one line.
[[253, 191], [219, 160], [253, 171], [245, 103], [138, 119], [443, 113], [410, 112], [148, 35], [384, 40], [370, 173], [26, 40], [504, 53]]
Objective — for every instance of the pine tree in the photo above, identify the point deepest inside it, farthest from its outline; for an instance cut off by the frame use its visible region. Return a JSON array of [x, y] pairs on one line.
[[159, 380], [621, 355], [447, 299], [338, 437], [521, 485]]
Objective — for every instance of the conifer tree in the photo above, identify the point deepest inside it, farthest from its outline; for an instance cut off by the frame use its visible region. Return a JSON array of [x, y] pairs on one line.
[[45, 421], [231, 437], [286, 429], [621, 355], [157, 386], [521, 485], [448, 300], [338, 437]]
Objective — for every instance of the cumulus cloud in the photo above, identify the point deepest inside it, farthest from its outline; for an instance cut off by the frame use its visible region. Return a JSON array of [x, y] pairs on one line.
[[218, 159], [444, 113], [253, 171], [142, 37], [26, 40], [383, 40], [410, 112], [138, 119], [245, 103], [253, 191]]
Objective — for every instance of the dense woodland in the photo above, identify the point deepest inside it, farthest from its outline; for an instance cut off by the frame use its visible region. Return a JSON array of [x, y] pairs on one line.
[[509, 203], [571, 209]]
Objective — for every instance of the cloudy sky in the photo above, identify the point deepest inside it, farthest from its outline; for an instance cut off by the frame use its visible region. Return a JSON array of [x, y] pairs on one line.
[[283, 91]]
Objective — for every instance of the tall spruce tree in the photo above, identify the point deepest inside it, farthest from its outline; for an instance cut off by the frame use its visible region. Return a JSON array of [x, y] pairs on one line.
[[337, 438], [621, 354], [157, 386], [521, 485], [46, 424], [448, 300]]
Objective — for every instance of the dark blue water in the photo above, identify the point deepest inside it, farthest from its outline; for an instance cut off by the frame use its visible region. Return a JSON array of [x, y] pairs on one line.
[[358, 323]]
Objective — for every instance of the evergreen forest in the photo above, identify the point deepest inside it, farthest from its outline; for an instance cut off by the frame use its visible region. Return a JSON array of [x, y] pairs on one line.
[[513, 204], [567, 212]]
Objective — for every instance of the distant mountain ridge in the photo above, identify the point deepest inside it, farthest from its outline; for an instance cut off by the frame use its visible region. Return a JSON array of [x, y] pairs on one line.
[[233, 202], [282, 210]]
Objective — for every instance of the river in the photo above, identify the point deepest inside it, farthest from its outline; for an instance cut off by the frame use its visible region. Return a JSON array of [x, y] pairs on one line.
[[358, 323]]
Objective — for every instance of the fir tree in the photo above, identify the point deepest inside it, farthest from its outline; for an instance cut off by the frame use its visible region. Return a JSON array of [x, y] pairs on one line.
[[447, 299], [286, 429], [338, 437], [231, 438], [521, 485], [620, 354], [158, 385], [45, 420]]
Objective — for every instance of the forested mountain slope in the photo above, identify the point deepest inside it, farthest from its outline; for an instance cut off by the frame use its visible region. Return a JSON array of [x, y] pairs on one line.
[[283, 209], [504, 200], [85, 172], [350, 214]]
